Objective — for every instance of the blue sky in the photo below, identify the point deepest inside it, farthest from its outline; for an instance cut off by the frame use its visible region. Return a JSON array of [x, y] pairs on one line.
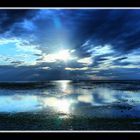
[[54, 44]]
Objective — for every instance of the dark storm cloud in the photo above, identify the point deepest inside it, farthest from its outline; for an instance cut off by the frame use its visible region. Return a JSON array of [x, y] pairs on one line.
[[120, 28], [117, 27], [33, 73], [10, 17]]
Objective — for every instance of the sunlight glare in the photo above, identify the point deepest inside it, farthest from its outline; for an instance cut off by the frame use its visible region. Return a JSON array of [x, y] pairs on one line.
[[63, 55], [61, 105], [64, 85]]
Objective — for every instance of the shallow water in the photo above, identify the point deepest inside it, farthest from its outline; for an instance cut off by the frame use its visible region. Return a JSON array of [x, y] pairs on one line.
[[68, 105]]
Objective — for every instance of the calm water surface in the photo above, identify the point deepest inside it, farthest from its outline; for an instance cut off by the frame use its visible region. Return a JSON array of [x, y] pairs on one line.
[[67, 105]]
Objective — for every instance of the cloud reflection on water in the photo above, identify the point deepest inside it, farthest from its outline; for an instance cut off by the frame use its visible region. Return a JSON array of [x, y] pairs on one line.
[[79, 100], [18, 103]]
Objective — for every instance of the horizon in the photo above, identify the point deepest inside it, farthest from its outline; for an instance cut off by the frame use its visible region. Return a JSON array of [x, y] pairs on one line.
[[110, 80]]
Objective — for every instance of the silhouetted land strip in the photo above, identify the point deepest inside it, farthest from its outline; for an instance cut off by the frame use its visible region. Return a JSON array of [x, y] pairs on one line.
[[44, 84], [49, 84]]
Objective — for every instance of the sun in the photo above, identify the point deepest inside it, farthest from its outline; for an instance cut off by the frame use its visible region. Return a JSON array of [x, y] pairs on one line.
[[63, 55]]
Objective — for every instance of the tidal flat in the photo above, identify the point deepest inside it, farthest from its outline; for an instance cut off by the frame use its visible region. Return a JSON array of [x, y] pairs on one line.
[[70, 105]]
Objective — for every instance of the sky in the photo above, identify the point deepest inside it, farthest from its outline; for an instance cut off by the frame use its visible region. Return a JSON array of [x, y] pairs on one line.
[[69, 44]]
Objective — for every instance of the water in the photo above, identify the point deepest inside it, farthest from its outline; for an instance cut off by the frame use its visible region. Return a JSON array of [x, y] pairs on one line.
[[69, 105]]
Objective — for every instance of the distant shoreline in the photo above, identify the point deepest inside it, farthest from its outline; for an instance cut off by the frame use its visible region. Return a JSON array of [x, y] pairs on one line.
[[23, 82], [44, 84]]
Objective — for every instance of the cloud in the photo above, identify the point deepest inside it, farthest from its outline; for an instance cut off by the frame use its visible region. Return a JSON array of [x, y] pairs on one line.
[[85, 61], [16, 49], [10, 17], [75, 69]]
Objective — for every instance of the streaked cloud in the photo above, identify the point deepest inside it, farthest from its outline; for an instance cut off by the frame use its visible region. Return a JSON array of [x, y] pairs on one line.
[[85, 61], [75, 69]]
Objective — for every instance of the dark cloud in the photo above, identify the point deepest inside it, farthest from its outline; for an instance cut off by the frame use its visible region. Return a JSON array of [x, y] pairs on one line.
[[122, 58], [17, 62], [10, 17], [33, 73], [117, 27]]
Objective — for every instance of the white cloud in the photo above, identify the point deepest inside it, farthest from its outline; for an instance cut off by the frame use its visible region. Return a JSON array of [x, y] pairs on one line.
[[28, 48], [74, 69], [85, 98], [4, 41], [29, 25], [19, 50], [85, 61], [100, 50], [62, 55], [46, 68], [132, 58]]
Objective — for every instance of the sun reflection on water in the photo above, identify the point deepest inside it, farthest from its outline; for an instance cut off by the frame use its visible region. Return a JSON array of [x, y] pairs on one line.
[[60, 105], [63, 106], [64, 85]]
